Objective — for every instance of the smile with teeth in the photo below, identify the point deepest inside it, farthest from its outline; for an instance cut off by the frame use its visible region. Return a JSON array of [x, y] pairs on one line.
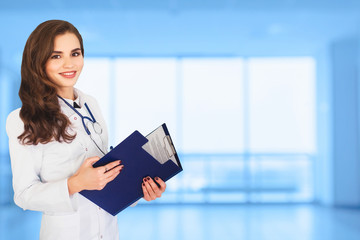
[[68, 74]]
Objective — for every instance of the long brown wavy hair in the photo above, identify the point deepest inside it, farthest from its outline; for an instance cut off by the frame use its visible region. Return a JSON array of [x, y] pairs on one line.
[[40, 111]]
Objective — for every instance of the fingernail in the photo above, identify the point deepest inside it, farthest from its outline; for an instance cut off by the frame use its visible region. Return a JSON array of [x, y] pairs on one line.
[[148, 178], [143, 184], [156, 178], [145, 180]]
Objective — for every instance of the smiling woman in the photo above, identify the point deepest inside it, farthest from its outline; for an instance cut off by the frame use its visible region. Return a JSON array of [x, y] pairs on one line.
[[51, 148], [40, 110]]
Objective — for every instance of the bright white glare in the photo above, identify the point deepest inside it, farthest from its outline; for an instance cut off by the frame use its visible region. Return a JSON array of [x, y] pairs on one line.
[[145, 95], [212, 105], [282, 104]]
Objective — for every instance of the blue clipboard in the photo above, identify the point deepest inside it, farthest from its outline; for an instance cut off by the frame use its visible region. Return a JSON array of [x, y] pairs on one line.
[[126, 188]]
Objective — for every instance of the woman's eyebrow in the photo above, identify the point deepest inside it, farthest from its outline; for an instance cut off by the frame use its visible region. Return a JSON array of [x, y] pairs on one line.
[[74, 50]]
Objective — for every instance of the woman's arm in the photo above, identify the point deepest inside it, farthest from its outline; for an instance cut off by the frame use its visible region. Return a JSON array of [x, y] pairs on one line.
[[89, 178], [30, 191]]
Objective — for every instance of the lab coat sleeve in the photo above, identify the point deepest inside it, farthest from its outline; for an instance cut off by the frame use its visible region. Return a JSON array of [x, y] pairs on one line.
[[29, 191]]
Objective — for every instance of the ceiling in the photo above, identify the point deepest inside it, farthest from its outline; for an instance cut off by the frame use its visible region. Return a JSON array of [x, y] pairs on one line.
[[178, 5]]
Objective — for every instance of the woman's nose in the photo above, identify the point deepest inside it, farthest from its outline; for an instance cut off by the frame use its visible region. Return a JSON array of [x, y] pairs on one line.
[[68, 63]]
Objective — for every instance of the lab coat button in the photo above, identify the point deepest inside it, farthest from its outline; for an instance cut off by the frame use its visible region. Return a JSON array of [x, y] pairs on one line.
[[101, 236], [86, 149], [75, 118]]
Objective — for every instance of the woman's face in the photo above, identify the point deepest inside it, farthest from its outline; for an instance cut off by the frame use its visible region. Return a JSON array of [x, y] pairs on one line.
[[65, 63]]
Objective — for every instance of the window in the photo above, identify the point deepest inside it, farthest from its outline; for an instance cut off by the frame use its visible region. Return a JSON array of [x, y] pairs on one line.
[[244, 128]]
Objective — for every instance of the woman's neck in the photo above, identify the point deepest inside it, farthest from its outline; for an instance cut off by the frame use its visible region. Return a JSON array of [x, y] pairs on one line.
[[66, 93]]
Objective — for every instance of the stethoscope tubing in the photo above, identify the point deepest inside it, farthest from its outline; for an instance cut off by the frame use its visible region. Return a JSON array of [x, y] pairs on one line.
[[92, 119]]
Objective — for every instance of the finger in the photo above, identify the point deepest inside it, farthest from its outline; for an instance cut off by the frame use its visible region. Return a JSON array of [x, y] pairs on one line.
[[155, 188], [161, 183], [113, 171], [149, 188], [112, 177], [146, 193], [111, 165], [153, 185], [149, 181], [90, 161]]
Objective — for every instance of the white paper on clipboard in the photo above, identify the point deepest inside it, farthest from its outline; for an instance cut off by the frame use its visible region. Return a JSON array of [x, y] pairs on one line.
[[159, 146]]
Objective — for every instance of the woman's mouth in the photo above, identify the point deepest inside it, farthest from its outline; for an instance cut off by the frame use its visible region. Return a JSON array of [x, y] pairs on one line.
[[68, 74]]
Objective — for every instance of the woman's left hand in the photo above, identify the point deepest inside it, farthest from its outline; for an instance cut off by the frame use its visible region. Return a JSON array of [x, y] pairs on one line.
[[150, 188]]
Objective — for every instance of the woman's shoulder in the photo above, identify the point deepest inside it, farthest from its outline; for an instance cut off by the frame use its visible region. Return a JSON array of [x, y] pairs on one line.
[[86, 97], [14, 124]]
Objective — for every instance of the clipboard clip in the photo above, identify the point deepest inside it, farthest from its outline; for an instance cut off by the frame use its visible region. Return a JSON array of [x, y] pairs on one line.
[[169, 147]]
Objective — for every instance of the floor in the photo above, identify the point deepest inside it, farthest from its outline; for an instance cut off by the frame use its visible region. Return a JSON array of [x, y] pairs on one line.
[[223, 222]]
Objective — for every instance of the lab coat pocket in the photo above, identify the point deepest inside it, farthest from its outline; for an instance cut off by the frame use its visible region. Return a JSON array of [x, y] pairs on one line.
[[64, 226]]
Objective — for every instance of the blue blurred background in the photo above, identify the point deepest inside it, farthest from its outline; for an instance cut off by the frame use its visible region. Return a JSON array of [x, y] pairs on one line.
[[261, 98]]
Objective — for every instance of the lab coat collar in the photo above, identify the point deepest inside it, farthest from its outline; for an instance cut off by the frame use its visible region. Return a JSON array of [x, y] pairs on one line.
[[79, 99]]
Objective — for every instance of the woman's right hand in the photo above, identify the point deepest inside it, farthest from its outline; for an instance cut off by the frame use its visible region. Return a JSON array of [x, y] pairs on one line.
[[89, 178]]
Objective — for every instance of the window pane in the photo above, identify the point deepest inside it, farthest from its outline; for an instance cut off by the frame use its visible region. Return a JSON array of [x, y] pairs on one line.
[[282, 101], [212, 105], [145, 96]]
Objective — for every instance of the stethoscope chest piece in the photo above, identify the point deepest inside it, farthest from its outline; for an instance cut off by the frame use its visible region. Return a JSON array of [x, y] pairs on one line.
[[97, 128]]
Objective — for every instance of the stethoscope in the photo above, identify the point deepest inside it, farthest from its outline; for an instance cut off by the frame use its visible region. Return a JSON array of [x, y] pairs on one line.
[[94, 124]]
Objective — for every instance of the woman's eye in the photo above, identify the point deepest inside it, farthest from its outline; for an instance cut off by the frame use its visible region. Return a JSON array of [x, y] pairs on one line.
[[75, 54], [55, 56]]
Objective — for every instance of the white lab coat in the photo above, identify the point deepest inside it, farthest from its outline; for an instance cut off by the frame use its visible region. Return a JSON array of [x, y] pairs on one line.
[[40, 174]]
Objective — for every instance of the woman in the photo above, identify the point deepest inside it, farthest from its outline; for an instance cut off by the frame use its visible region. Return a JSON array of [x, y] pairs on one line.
[[56, 137]]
